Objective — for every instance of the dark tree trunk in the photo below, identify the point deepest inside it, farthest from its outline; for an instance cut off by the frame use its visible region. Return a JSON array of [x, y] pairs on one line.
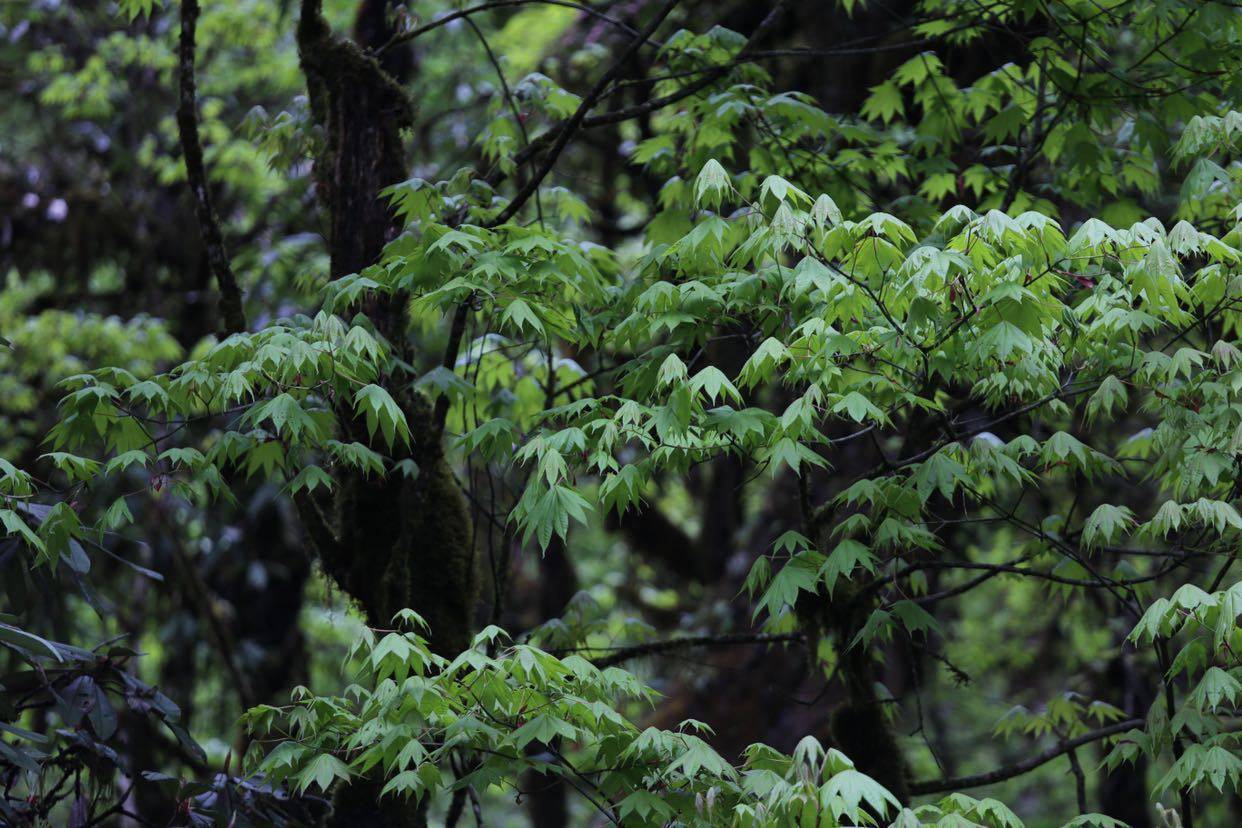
[[860, 726], [546, 795], [1123, 791], [395, 542]]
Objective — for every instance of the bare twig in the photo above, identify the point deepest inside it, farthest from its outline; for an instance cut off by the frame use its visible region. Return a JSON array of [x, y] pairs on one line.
[[411, 34], [449, 361], [508, 93], [196, 173], [1080, 780], [566, 132], [620, 655], [958, 783], [617, 116]]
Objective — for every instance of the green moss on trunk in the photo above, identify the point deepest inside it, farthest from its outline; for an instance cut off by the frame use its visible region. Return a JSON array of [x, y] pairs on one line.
[[391, 542]]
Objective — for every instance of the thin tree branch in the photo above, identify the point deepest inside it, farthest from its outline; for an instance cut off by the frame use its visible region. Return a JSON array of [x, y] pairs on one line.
[[449, 361], [200, 597], [1014, 569], [958, 783], [564, 134], [1080, 781], [565, 131], [617, 116], [628, 113], [476, 807], [925, 600], [456, 807], [196, 173], [513, 107], [570, 127], [620, 655], [406, 36]]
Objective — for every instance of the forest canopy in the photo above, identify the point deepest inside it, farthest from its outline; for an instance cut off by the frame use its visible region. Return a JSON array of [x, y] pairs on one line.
[[621, 412]]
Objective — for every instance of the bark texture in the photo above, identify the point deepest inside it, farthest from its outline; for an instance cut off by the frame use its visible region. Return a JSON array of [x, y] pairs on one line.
[[394, 542], [234, 316]]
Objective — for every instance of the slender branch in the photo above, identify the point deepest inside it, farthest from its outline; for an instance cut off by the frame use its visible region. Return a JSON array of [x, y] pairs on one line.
[[406, 36], [925, 600], [564, 134], [620, 655], [570, 127], [449, 361], [456, 807], [476, 807], [118, 809], [200, 598], [773, 54], [1080, 780], [196, 173], [1066, 391], [957, 783], [1014, 569], [508, 93], [565, 131], [1027, 155], [617, 116], [627, 113]]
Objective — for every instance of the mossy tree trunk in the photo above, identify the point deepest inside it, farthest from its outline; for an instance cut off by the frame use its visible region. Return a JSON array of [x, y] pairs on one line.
[[395, 542], [398, 541]]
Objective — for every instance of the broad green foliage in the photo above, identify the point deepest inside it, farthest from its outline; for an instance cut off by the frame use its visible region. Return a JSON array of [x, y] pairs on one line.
[[873, 324], [1207, 623], [41, 350], [861, 323], [950, 324], [411, 709]]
